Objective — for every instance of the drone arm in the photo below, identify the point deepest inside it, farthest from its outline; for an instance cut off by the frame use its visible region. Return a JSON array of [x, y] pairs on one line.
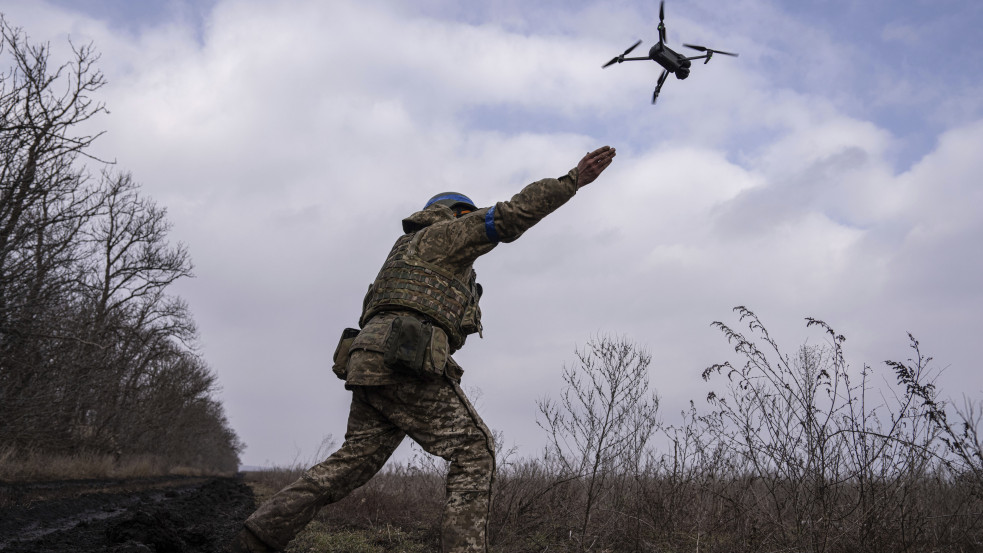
[[658, 87]]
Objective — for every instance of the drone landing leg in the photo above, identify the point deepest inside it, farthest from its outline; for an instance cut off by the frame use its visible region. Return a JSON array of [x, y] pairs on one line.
[[658, 87]]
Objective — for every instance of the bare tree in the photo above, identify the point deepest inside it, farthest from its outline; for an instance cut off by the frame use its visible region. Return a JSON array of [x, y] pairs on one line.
[[95, 353], [603, 421], [45, 201], [133, 319]]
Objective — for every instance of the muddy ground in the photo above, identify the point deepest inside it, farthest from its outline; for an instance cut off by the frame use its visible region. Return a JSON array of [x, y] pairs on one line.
[[152, 515]]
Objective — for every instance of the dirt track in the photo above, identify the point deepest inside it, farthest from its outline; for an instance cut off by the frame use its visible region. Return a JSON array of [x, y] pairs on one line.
[[180, 515]]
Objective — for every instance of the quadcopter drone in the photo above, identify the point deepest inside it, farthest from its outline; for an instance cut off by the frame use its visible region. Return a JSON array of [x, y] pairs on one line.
[[670, 60]]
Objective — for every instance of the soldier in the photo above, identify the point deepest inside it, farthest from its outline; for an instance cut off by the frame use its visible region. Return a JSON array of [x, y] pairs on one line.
[[420, 309]]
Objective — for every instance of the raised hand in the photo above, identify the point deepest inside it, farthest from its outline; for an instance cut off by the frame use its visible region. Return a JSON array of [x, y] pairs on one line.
[[593, 163]]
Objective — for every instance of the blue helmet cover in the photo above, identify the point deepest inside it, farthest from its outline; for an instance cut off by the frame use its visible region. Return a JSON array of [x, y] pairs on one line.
[[451, 198]]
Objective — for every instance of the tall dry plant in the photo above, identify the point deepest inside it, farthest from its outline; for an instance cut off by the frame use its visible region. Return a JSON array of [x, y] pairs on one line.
[[826, 461], [601, 425], [962, 437]]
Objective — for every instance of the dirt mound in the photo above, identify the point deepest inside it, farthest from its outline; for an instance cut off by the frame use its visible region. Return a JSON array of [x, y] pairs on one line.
[[177, 515]]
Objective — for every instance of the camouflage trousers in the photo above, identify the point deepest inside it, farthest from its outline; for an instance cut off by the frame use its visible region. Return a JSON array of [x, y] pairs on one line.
[[438, 416]]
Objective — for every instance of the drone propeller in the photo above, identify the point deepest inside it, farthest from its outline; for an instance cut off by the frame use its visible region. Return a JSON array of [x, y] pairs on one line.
[[621, 58], [662, 25], [710, 51]]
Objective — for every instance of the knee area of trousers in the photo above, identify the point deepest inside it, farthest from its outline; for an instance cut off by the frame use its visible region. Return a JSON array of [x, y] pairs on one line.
[[482, 449], [479, 459]]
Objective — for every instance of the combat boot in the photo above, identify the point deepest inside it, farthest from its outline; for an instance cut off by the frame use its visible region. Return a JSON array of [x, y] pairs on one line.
[[247, 542]]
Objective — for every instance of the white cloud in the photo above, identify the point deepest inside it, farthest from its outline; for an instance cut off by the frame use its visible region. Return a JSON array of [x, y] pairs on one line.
[[290, 138]]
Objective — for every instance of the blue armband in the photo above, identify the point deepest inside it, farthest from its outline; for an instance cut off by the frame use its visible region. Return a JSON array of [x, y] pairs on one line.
[[490, 225]]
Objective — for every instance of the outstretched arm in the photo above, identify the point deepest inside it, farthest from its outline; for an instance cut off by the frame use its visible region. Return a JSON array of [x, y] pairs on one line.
[[539, 199], [460, 242]]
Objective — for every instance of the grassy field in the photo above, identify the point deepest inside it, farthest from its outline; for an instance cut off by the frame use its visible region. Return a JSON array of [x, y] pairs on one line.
[[365, 522], [533, 510]]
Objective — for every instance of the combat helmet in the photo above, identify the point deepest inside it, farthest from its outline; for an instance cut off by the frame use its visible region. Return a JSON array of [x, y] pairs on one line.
[[460, 203]]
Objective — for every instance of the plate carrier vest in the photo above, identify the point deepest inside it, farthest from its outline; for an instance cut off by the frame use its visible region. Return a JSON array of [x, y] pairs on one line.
[[407, 282]]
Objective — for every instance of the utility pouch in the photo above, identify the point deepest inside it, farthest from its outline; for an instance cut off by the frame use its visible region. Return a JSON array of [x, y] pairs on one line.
[[342, 353], [407, 343], [472, 313], [472, 319]]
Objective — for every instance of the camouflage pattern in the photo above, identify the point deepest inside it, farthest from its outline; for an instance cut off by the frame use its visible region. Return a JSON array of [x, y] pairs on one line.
[[454, 244], [407, 282], [433, 411], [365, 367], [247, 542]]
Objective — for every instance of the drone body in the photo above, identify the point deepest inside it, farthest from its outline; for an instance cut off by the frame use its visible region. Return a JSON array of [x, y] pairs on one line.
[[670, 60]]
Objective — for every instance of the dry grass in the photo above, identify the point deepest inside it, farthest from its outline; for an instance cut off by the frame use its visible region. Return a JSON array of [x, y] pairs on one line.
[[319, 537], [536, 509], [272, 479], [30, 466], [397, 511]]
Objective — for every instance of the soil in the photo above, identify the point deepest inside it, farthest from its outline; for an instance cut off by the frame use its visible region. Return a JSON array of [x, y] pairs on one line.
[[149, 515]]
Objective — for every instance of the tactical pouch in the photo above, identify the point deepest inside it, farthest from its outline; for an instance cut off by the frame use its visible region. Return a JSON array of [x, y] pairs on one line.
[[341, 353], [472, 313], [472, 319], [406, 345]]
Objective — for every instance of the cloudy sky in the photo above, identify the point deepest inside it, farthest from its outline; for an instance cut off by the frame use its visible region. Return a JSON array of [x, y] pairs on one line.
[[832, 171]]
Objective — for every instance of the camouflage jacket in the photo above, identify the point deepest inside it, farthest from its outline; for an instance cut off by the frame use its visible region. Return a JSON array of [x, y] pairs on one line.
[[454, 244]]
